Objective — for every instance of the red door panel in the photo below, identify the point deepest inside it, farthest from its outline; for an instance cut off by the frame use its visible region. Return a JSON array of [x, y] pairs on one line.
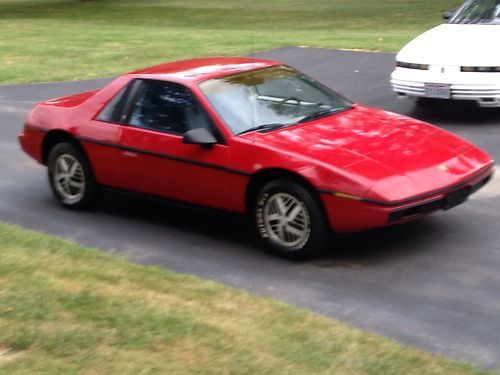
[[161, 164], [98, 140]]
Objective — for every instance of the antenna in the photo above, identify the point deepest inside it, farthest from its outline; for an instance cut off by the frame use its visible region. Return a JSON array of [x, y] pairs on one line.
[[253, 103], [252, 94]]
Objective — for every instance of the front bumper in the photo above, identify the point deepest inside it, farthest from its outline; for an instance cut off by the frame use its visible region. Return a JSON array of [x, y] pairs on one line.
[[484, 88], [349, 215], [451, 199]]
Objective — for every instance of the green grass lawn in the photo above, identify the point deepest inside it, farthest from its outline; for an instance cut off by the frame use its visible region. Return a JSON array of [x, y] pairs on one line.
[[47, 40], [65, 309]]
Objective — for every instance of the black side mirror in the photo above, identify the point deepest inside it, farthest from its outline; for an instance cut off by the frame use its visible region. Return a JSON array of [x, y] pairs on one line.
[[200, 136], [448, 14]]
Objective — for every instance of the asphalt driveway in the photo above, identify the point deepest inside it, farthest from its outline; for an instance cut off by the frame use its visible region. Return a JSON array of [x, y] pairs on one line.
[[434, 284]]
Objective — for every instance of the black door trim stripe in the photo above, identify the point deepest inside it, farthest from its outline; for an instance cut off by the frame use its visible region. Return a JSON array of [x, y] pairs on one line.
[[483, 172], [164, 156]]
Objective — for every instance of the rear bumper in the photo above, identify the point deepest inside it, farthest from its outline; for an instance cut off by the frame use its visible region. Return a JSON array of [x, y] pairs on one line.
[[349, 215], [484, 88], [31, 139]]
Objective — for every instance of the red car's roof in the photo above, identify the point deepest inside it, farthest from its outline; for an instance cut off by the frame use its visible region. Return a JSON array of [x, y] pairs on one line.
[[205, 68]]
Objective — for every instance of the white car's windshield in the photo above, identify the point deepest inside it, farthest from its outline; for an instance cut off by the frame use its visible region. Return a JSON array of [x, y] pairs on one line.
[[485, 12], [266, 99]]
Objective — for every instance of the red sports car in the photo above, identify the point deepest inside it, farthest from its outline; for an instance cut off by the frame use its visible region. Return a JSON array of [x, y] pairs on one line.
[[254, 137]]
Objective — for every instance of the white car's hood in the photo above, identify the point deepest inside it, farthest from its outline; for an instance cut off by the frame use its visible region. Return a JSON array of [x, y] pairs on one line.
[[455, 45]]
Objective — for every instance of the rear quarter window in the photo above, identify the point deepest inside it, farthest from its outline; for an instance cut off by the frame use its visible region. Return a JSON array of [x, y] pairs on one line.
[[114, 111]]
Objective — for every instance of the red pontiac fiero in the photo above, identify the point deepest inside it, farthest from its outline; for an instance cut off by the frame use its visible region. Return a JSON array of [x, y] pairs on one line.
[[253, 137]]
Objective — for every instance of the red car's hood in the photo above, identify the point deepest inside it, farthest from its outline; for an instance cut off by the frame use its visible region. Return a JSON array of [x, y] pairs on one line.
[[393, 156]]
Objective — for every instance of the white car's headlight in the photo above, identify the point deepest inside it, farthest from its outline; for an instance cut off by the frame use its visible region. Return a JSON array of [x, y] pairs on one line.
[[412, 65], [480, 69]]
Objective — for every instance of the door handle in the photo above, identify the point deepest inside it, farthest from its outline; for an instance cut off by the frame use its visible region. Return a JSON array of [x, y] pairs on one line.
[[130, 154]]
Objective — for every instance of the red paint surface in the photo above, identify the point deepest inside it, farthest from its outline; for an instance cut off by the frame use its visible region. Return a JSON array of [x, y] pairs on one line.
[[365, 152]]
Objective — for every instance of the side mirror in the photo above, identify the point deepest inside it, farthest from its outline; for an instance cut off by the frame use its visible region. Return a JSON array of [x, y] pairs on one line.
[[200, 136], [448, 14]]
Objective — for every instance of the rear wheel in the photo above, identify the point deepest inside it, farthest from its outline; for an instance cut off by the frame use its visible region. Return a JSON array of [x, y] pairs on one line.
[[71, 177], [290, 220]]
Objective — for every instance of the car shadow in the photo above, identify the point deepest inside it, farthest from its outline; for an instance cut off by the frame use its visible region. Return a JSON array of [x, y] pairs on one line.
[[346, 250], [380, 245], [186, 218], [451, 113]]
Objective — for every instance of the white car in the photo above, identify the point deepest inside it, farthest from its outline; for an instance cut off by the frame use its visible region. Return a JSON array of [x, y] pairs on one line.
[[459, 60]]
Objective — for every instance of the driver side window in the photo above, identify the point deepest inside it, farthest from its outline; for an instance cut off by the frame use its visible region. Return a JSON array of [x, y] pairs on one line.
[[167, 107]]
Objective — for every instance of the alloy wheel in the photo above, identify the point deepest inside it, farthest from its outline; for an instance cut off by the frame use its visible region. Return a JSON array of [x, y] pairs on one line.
[[286, 220], [68, 178]]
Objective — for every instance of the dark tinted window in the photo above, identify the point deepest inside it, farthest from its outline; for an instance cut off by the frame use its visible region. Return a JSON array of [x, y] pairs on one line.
[[167, 107], [114, 110]]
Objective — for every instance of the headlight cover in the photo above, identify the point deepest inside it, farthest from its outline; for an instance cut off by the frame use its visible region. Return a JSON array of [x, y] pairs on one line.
[[480, 69], [406, 65]]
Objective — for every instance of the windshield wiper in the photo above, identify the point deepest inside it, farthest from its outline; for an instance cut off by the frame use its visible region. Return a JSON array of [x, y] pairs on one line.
[[264, 127], [324, 113]]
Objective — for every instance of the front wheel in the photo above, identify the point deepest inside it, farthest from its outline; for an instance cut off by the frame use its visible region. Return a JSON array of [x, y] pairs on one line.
[[290, 220], [71, 177]]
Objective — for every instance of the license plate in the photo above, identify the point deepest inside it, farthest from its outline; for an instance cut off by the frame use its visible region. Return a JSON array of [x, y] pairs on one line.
[[435, 90], [456, 197]]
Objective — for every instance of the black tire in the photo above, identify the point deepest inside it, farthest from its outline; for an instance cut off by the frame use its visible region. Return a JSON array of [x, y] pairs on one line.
[[68, 195], [310, 221]]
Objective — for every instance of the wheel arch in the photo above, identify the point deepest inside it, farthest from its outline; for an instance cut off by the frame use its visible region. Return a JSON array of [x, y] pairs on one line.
[[55, 137], [262, 177]]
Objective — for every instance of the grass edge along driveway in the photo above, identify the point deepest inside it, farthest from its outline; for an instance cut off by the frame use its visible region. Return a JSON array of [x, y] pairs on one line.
[[54, 40], [69, 309]]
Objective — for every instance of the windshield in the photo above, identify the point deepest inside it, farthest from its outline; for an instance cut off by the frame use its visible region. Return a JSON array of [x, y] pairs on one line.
[[484, 12], [269, 98]]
